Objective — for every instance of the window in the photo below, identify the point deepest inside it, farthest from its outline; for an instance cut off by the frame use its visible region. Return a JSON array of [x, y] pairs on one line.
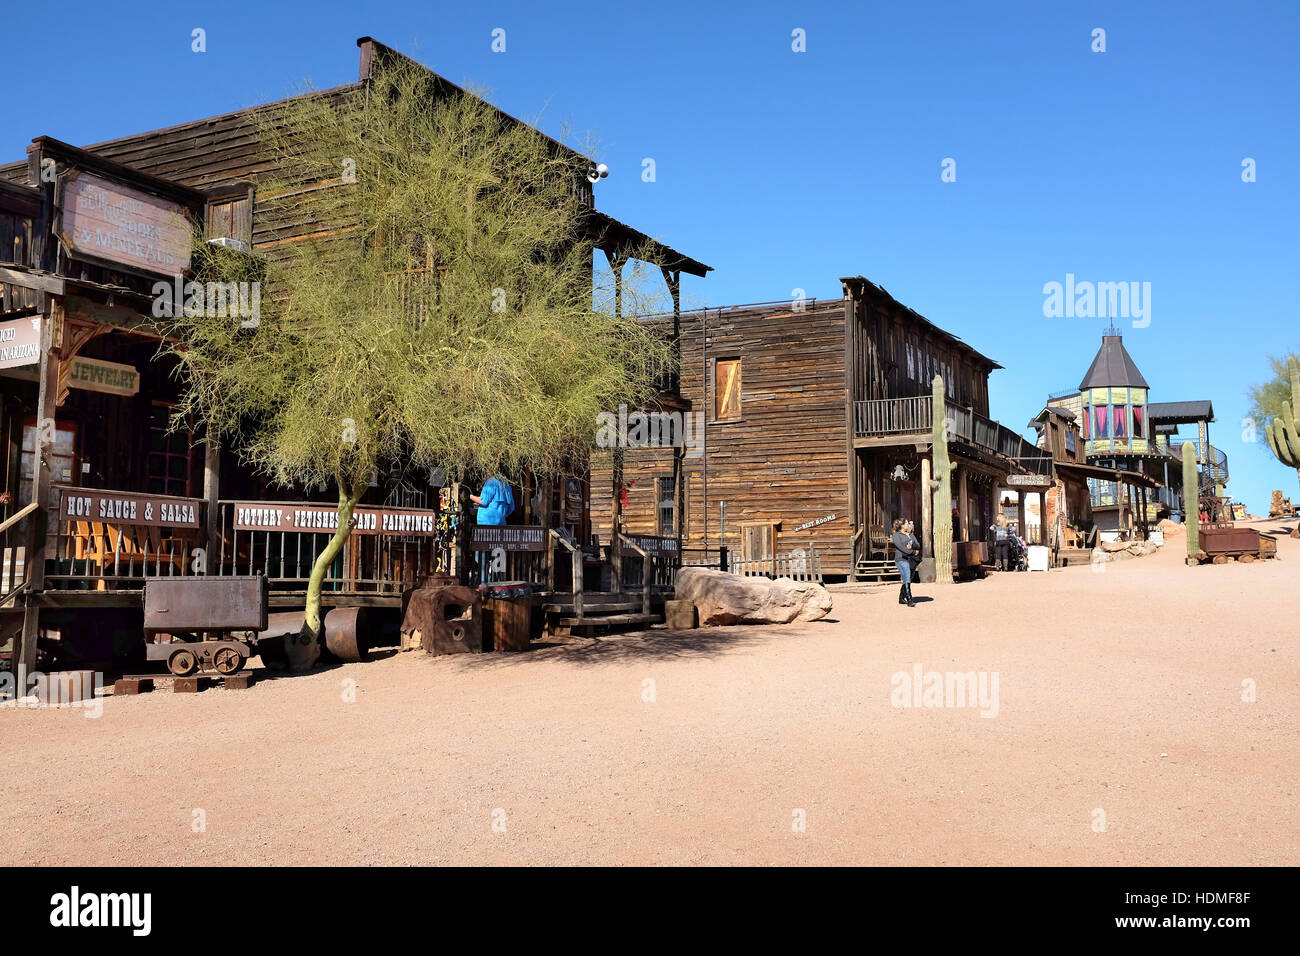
[[666, 496], [726, 389], [1119, 416], [1069, 439], [230, 217], [169, 455], [1101, 421], [911, 363], [1139, 426]]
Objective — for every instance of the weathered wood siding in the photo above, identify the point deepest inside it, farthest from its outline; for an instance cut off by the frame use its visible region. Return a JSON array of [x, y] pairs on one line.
[[784, 460]]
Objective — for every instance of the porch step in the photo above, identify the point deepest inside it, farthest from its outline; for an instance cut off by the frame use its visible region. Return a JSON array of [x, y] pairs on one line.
[[1069, 556], [600, 620], [593, 607], [876, 571]]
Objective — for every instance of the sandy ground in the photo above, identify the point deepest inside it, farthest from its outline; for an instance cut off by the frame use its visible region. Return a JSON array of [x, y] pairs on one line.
[[1120, 692]]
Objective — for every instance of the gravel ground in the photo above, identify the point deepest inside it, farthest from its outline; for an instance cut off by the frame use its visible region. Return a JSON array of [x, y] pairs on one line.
[[1120, 692]]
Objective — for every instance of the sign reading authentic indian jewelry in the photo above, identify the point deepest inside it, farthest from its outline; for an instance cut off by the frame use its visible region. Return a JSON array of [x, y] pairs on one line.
[[104, 220], [98, 376], [81, 504], [20, 342], [508, 537], [653, 545], [287, 516]]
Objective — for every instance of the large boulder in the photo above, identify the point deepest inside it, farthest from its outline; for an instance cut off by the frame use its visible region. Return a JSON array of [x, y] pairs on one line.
[[724, 598]]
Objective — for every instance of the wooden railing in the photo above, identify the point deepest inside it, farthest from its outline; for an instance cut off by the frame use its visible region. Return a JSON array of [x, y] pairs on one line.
[[893, 416], [108, 540], [373, 559], [14, 569], [805, 566]]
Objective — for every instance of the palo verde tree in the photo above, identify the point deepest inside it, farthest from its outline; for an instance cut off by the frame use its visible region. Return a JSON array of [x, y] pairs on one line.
[[435, 307], [1276, 403]]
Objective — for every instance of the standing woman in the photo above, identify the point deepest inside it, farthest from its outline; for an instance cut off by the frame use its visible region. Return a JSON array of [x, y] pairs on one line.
[[906, 549]]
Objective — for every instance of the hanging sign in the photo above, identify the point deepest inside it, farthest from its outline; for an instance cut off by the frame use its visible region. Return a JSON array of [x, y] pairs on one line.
[[1031, 481], [104, 220], [508, 537], [20, 342], [95, 375]]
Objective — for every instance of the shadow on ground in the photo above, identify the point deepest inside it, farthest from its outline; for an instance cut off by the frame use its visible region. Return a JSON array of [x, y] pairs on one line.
[[653, 645]]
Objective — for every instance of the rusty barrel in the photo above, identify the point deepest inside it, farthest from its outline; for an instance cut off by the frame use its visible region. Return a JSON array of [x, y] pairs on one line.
[[346, 634]]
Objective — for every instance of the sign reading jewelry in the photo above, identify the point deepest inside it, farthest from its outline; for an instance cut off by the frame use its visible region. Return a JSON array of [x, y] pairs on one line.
[[285, 516], [108, 221]]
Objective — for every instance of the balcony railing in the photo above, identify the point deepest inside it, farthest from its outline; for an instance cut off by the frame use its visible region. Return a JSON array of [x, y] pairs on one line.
[[893, 416], [913, 416]]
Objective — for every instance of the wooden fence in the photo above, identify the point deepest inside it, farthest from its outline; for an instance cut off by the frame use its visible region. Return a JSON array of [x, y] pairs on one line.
[[800, 565]]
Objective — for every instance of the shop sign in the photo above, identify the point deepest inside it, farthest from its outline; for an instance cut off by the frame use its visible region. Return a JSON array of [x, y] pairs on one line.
[[20, 342], [324, 519], [95, 375]]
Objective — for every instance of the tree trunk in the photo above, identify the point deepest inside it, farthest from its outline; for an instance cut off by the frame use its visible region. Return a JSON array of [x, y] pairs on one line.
[[304, 648]]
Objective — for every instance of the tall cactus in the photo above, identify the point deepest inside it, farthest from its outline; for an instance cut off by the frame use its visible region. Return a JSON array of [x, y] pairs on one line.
[[1191, 503], [1284, 431], [941, 486]]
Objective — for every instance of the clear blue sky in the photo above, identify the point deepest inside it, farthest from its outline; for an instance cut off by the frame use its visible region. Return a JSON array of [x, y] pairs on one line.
[[787, 170]]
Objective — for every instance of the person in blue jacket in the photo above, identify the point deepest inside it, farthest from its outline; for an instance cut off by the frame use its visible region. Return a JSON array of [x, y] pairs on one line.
[[495, 502]]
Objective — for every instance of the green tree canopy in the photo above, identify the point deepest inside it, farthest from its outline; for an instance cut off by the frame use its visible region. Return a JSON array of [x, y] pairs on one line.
[[427, 298]]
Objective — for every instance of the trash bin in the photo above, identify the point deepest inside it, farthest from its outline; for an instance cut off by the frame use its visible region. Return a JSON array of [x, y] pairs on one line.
[[1038, 557], [507, 615]]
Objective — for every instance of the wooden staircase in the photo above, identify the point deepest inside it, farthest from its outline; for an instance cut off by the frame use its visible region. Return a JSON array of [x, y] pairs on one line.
[[880, 571], [600, 613]]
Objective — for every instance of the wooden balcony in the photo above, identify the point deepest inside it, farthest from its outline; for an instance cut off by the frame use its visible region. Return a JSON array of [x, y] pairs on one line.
[[904, 421]]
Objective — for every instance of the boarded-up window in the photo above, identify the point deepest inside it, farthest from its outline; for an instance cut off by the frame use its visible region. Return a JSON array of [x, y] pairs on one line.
[[230, 218], [758, 541], [726, 389]]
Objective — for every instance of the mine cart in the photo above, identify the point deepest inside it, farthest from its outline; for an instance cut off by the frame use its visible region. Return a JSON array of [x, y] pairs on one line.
[[1222, 540], [199, 621]]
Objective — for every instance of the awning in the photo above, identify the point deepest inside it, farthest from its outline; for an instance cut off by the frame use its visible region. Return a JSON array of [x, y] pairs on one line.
[[1106, 474]]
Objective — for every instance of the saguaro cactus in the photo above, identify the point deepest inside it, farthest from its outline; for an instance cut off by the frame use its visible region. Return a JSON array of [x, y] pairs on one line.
[[1191, 503], [1284, 431], [941, 486]]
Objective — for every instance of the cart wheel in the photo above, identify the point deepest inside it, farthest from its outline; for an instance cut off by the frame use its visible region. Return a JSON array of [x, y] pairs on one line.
[[182, 663], [227, 660]]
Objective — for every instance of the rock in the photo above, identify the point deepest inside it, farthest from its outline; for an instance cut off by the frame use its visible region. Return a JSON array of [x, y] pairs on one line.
[[724, 598], [679, 615]]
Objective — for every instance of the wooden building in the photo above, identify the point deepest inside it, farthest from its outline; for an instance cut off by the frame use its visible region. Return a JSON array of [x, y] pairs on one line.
[[96, 485], [812, 431]]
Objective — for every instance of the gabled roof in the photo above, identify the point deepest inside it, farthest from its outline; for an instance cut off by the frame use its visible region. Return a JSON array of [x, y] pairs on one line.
[[861, 287], [1041, 418], [1113, 366]]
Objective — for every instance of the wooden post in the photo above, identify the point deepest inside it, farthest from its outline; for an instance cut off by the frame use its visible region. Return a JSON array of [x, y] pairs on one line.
[[211, 495], [24, 657], [616, 539], [927, 511], [1042, 516], [1020, 513], [963, 516]]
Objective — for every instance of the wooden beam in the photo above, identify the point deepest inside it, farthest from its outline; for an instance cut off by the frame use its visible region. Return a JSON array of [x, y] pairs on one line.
[[42, 282]]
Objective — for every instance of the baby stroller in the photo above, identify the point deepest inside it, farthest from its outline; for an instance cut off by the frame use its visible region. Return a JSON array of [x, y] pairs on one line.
[[1017, 554]]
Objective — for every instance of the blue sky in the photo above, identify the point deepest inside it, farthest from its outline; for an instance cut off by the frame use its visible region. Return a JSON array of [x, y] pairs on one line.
[[787, 170]]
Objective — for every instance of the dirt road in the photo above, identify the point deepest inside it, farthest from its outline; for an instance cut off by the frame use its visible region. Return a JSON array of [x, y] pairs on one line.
[[1120, 736]]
